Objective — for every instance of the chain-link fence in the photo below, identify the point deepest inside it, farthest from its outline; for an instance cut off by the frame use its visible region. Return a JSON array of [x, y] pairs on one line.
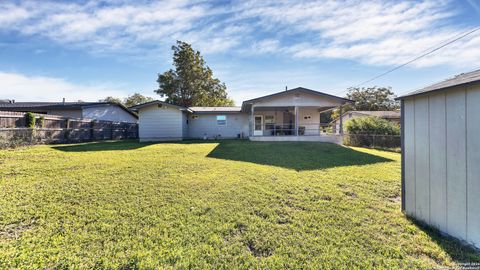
[[372, 140]]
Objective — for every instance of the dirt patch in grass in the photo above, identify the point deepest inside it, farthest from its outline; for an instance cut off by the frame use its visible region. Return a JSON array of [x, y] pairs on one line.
[[15, 230]]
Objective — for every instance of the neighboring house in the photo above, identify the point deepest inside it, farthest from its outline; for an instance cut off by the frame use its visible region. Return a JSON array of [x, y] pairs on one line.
[[393, 116], [441, 156], [288, 115], [106, 111]]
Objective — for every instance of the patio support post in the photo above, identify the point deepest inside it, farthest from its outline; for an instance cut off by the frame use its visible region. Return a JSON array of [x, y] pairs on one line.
[[296, 120], [341, 120], [252, 122]]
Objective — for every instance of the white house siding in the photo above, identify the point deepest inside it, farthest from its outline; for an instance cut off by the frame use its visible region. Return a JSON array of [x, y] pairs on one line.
[[206, 124], [185, 123], [276, 113], [442, 157], [298, 99], [312, 124], [157, 124], [108, 113]]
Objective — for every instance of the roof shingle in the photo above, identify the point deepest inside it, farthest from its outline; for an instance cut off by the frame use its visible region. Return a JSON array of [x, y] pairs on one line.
[[464, 78]]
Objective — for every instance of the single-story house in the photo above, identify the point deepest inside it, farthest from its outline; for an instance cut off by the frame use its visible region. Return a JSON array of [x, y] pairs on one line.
[[441, 156], [392, 116], [287, 115], [106, 111]]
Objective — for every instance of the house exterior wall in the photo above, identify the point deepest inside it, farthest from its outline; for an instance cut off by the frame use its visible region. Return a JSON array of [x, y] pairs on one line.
[[310, 119], [108, 113], [157, 124], [297, 99], [276, 113], [206, 124], [185, 124], [441, 160]]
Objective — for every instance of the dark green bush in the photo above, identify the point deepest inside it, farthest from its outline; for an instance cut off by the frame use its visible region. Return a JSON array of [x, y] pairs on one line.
[[372, 132], [30, 120], [371, 125], [42, 121]]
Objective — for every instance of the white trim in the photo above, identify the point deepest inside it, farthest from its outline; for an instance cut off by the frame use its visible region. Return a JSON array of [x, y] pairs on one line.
[[255, 131]]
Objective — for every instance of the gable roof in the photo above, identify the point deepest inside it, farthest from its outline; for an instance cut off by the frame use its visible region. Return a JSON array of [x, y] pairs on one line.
[[156, 102], [460, 79], [35, 106], [299, 89]]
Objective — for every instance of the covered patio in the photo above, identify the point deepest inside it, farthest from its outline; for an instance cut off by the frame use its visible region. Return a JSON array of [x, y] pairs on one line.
[[292, 115]]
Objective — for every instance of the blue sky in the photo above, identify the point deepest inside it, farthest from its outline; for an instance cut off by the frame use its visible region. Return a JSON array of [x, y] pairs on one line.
[[91, 49]]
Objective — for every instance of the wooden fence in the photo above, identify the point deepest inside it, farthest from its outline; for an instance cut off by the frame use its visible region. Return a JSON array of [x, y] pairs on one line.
[[58, 129]]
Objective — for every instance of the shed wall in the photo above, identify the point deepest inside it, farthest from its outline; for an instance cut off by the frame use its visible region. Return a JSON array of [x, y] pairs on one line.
[[442, 157], [156, 124]]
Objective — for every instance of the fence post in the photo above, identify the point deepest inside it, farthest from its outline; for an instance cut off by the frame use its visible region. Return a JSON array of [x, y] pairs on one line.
[[111, 130], [92, 125]]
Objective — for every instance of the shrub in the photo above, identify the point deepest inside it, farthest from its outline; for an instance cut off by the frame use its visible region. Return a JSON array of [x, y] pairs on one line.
[[42, 121], [30, 120], [372, 132], [371, 125]]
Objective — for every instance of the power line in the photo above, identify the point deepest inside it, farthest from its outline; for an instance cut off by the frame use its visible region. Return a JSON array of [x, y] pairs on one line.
[[416, 58], [408, 91]]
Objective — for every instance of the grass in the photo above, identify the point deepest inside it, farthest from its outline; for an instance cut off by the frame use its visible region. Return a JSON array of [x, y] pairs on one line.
[[222, 205]]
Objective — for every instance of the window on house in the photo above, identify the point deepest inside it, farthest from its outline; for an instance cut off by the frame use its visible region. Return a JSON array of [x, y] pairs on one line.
[[221, 120], [269, 119]]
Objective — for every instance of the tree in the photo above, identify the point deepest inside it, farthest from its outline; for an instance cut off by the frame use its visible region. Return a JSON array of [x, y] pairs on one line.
[[111, 99], [136, 99], [373, 99], [129, 101], [369, 99], [192, 82]]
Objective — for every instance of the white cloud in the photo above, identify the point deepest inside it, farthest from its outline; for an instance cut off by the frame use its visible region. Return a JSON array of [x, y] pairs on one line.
[[40, 88], [375, 32], [371, 32]]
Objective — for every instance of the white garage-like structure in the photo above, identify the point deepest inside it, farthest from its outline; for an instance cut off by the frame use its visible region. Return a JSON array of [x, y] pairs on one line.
[[441, 156]]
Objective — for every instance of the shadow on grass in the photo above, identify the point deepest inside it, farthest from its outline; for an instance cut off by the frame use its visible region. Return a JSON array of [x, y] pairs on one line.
[[458, 250], [293, 155], [102, 146]]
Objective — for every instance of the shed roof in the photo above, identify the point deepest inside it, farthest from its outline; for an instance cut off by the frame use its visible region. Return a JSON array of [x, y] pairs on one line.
[[460, 79]]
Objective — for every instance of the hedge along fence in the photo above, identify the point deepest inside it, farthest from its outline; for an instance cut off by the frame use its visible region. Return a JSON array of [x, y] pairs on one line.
[[371, 131], [14, 129]]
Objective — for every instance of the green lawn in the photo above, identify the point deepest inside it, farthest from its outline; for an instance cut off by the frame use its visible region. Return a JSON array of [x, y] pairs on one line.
[[222, 205]]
